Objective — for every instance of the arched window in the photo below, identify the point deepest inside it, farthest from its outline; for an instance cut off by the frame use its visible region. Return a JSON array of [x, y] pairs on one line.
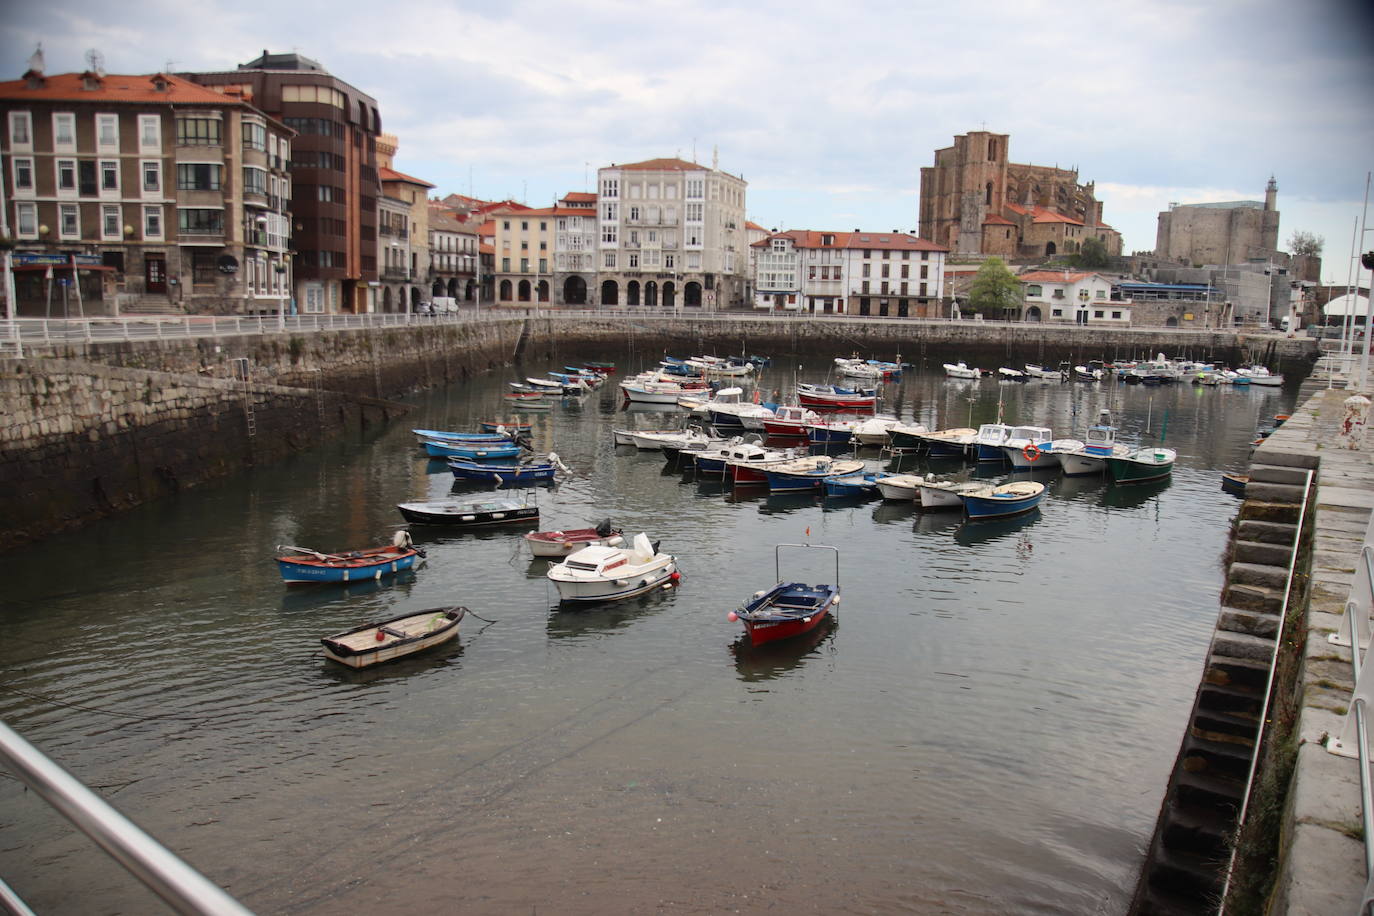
[[523, 291], [987, 194], [610, 293], [505, 291]]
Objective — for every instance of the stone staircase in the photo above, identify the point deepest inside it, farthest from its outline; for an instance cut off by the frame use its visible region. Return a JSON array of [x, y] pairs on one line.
[[1184, 870], [148, 305]]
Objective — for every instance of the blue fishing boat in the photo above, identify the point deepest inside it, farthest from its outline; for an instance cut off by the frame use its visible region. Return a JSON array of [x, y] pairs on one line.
[[809, 473], [438, 435], [855, 484], [503, 474], [1008, 499], [512, 427], [303, 565], [502, 448]]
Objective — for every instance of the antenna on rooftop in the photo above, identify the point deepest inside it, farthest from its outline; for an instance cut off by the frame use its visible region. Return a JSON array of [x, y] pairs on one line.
[[95, 62], [168, 66]]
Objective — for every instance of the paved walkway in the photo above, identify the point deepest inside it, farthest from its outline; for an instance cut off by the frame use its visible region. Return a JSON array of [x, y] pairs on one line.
[[1322, 870]]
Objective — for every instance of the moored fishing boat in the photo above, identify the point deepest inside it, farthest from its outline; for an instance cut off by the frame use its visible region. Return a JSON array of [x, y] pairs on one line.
[[373, 643], [961, 370], [835, 397], [300, 565], [560, 543], [468, 513], [1028, 447], [1235, 483], [506, 427], [751, 466], [874, 430], [949, 443], [988, 442], [1007, 499], [1141, 464], [861, 484], [789, 422], [945, 494], [502, 448], [808, 473], [438, 435], [596, 574], [1099, 444], [788, 608], [504, 474], [901, 488]]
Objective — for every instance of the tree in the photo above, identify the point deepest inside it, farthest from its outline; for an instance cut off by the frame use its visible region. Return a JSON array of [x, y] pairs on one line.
[[1302, 243], [995, 289], [1093, 255]]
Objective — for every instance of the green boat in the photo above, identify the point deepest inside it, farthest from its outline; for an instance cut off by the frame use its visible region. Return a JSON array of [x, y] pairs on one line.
[[1141, 464]]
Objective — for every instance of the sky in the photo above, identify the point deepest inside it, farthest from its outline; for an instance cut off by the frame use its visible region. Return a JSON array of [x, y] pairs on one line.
[[828, 110]]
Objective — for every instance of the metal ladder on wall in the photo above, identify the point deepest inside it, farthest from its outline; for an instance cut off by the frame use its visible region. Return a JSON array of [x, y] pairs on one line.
[[319, 396], [241, 373]]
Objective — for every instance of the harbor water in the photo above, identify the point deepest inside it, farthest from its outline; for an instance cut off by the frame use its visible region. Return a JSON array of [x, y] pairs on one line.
[[987, 727]]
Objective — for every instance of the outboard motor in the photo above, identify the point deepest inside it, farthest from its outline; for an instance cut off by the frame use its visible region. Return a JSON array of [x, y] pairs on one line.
[[604, 529]]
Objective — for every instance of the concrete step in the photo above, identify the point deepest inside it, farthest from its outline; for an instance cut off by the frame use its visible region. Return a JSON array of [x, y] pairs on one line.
[[1187, 878], [1237, 672], [1203, 793], [1242, 703], [1242, 646], [1195, 833], [149, 305], [1266, 532], [1261, 510], [1239, 620], [1222, 760], [1268, 473], [1238, 728], [1262, 554], [1274, 492], [1257, 574], [1253, 598]]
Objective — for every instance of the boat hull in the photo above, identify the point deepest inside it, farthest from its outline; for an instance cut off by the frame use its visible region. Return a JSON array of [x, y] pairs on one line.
[[294, 572], [1138, 470], [600, 591], [785, 611], [461, 516]]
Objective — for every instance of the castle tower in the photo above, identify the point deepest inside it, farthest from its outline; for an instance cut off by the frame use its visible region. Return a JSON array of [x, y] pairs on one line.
[[1271, 194]]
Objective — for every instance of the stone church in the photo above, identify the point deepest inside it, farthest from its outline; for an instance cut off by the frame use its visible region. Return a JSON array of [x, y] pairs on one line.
[[974, 201]]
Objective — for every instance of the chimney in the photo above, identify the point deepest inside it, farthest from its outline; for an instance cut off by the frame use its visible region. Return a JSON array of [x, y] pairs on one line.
[[33, 77]]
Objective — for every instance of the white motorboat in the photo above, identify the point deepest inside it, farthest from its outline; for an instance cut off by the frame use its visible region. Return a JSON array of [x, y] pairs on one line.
[[945, 494], [900, 487], [1028, 447], [1050, 375], [562, 542], [961, 370], [989, 441], [654, 392], [857, 368], [1259, 375], [653, 440], [873, 431], [602, 573]]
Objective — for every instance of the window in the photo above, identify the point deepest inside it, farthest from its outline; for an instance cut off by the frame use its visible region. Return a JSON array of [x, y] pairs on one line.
[[634, 260], [149, 134], [198, 176], [66, 175], [254, 136], [608, 260], [694, 213], [694, 188], [64, 132], [524, 265], [322, 95], [109, 223], [924, 272], [1035, 289], [152, 222], [85, 177], [885, 269], [152, 177], [254, 181], [26, 220], [109, 175], [609, 213], [198, 132], [609, 234], [325, 192], [1100, 294], [21, 130], [1116, 314], [68, 223], [1097, 313], [322, 127], [610, 187], [505, 265], [107, 132], [668, 262], [23, 174], [543, 265], [905, 269], [200, 222]]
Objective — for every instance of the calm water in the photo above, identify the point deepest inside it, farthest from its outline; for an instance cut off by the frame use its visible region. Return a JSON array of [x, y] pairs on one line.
[[987, 729]]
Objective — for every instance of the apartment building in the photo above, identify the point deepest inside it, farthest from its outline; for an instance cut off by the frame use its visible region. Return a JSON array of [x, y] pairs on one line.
[[574, 249], [412, 273], [882, 274], [522, 250], [143, 193], [671, 234], [453, 257], [334, 170]]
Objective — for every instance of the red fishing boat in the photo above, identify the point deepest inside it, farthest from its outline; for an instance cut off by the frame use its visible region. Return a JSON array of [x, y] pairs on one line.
[[833, 397], [789, 422], [788, 608]]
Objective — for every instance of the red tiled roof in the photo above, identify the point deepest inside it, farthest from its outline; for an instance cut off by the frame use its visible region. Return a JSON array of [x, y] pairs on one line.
[[1046, 215], [1019, 211], [662, 165], [70, 87], [995, 220], [581, 197], [387, 174], [486, 248], [1053, 276], [496, 205], [892, 241], [750, 224], [552, 211]]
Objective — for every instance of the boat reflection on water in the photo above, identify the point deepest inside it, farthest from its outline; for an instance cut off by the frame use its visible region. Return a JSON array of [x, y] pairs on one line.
[[600, 619], [932, 522], [851, 501], [1085, 488], [317, 595], [983, 531], [782, 503], [711, 487], [1133, 495], [747, 493], [894, 513], [777, 659], [437, 466]]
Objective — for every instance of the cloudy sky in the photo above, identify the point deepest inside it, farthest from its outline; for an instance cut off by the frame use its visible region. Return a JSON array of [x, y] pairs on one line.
[[827, 109]]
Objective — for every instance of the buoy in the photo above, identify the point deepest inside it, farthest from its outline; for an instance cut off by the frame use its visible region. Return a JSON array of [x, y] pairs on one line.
[[380, 636], [732, 617], [676, 576], [1031, 452]]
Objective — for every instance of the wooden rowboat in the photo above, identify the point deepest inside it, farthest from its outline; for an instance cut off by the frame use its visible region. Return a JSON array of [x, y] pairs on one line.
[[373, 643], [302, 565]]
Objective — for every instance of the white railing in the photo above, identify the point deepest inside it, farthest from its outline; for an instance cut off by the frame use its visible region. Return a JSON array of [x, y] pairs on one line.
[[178, 884], [1354, 634]]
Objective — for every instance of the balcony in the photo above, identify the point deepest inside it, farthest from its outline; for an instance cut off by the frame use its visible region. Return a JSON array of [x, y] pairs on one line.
[[396, 274]]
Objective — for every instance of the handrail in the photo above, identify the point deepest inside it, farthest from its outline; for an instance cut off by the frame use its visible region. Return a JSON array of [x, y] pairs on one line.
[[178, 884], [1268, 686]]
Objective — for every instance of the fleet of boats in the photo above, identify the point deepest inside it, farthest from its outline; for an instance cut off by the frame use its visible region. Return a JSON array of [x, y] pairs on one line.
[[746, 442]]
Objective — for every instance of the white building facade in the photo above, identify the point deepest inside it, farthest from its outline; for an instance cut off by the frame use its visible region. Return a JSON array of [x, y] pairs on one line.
[[671, 234], [856, 273], [1064, 296]]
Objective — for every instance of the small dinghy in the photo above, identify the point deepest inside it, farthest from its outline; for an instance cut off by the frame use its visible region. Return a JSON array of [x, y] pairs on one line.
[[373, 643], [569, 540], [788, 608], [467, 513], [304, 565]]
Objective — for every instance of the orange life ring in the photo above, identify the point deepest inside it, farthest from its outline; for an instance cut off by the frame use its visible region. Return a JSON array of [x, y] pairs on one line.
[[1031, 452]]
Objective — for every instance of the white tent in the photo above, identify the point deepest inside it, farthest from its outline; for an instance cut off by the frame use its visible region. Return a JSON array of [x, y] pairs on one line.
[[1344, 305]]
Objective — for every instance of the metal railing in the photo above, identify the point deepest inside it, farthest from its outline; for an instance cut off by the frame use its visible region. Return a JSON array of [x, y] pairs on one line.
[[178, 884], [1269, 682], [1354, 634]]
